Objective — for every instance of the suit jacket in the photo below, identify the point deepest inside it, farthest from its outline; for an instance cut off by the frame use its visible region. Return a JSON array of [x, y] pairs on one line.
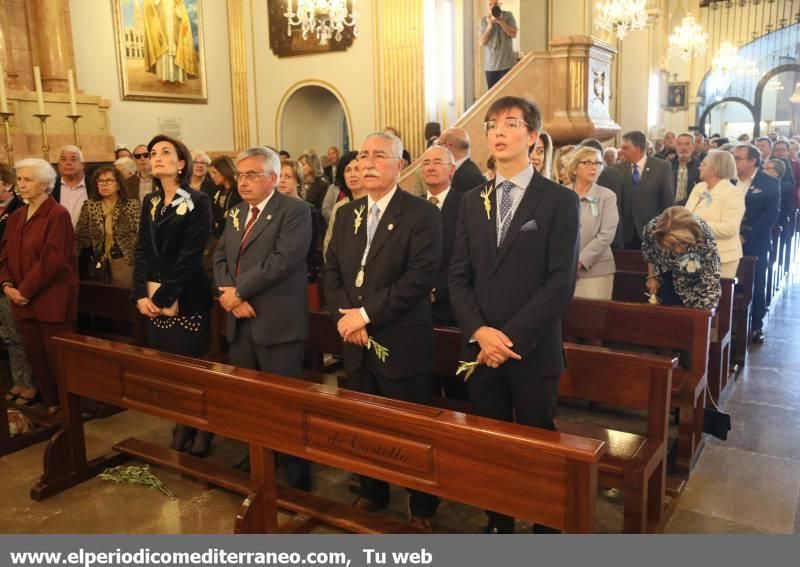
[[597, 232], [693, 174], [467, 176], [400, 273], [611, 178], [762, 209], [38, 256], [522, 288], [723, 213], [655, 193], [170, 251], [272, 269], [91, 229], [442, 310]]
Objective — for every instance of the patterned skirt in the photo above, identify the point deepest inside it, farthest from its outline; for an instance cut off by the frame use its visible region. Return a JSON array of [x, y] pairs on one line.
[[187, 335]]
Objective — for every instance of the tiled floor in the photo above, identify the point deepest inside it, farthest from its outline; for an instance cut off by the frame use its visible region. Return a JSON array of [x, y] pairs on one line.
[[748, 484]]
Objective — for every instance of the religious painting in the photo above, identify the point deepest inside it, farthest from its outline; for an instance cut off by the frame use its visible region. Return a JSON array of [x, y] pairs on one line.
[[286, 44], [677, 96], [160, 54]]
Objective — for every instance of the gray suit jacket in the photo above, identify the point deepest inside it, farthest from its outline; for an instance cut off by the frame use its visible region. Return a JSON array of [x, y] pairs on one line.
[[272, 268], [597, 232], [655, 193]]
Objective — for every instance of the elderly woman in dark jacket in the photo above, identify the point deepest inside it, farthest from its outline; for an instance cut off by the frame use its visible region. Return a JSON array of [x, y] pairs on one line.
[[170, 286], [39, 275], [682, 260], [109, 226]]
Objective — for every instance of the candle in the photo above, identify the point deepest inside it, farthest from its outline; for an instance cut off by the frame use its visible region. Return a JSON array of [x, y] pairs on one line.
[[3, 99], [73, 105], [37, 79]]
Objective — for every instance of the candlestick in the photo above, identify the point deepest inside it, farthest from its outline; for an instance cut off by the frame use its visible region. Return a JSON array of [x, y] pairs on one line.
[[45, 148], [6, 116], [75, 118], [3, 98], [37, 79], [73, 105]]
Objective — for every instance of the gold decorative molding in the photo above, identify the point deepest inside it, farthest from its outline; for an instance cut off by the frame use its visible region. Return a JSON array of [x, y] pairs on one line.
[[255, 80], [238, 62]]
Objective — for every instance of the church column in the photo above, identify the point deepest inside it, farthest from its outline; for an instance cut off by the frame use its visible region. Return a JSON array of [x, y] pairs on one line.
[[6, 46], [48, 34]]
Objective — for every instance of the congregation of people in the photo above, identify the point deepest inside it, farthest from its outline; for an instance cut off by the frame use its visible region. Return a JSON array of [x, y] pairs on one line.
[[499, 254]]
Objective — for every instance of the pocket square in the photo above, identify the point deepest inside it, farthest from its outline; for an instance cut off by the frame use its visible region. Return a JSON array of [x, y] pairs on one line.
[[755, 190], [528, 226]]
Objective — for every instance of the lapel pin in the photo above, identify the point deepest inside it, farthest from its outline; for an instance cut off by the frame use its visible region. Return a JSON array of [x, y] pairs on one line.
[[269, 217], [391, 227]]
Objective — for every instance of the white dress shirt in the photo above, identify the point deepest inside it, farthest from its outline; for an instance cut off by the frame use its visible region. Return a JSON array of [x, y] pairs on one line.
[[72, 199], [382, 203], [440, 197]]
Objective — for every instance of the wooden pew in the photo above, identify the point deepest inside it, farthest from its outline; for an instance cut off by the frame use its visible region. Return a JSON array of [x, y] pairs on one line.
[[452, 455], [742, 309], [774, 267], [633, 463], [678, 329], [112, 304], [630, 286]]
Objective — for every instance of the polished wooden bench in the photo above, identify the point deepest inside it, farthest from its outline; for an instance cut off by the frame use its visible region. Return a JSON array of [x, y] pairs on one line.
[[656, 328], [742, 311], [455, 456], [102, 303], [775, 267]]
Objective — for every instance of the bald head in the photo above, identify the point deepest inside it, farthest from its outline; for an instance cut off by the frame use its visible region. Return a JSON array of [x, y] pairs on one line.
[[457, 141], [438, 167]]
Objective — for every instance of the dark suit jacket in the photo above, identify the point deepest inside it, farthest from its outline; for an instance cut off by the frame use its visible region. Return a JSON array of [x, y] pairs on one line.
[[693, 172], [170, 251], [611, 178], [328, 173], [655, 193], [522, 288], [467, 176], [399, 276], [762, 206], [442, 310], [91, 190], [38, 256], [272, 269]]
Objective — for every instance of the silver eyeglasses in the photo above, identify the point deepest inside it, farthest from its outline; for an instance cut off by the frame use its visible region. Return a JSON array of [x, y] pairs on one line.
[[510, 123]]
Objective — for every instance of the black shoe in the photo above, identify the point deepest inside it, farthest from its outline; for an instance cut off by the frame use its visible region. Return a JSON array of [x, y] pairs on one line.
[[758, 337], [244, 464], [182, 436], [201, 444]]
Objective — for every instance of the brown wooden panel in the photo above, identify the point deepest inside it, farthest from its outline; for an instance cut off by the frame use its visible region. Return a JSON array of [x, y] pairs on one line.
[[167, 395]]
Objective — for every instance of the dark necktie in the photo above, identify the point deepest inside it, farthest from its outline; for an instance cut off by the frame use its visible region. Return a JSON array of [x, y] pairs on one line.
[[248, 227], [506, 203]]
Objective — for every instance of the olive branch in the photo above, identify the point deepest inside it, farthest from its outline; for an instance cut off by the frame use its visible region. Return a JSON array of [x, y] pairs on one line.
[[467, 368], [135, 476], [380, 351]]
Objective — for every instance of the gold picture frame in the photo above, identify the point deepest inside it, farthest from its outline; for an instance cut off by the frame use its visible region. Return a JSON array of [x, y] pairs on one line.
[[153, 64], [677, 97]]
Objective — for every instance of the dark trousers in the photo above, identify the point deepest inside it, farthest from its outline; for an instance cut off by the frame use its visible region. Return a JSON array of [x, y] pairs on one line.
[[526, 400], [493, 76], [759, 290], [36, 338], [635, 243], [284, 360], [416, 389]]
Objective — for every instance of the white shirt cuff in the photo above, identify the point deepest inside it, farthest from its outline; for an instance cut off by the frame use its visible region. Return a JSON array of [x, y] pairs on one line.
[[364, 315]]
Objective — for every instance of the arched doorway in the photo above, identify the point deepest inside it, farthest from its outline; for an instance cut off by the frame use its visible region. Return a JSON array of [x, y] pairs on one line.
[[729, 117], [313, 116], [774, 110]]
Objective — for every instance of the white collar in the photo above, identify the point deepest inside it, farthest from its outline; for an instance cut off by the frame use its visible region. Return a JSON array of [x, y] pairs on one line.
[[262, 205], [641, 164], [80, 184], [521, 179], [441, 197], [383, 202]]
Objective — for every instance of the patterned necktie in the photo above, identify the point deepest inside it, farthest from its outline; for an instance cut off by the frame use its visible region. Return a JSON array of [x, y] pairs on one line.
[[636, 176], [248, 227], [434, 200], [505, 210], [682, 181], [372, 222]]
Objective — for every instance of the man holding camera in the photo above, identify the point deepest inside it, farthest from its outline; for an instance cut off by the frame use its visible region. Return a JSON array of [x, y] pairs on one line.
[[496, 32]]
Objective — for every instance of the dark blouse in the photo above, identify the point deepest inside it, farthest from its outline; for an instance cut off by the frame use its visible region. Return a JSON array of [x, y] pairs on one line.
[[221, 203]]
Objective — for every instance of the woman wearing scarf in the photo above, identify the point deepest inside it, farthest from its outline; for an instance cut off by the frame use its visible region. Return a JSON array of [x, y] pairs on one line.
[[170, 286], [599, 219]]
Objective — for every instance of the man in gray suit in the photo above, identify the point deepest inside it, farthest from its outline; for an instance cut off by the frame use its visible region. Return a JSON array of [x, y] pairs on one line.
[[648, 188], [260, 270]]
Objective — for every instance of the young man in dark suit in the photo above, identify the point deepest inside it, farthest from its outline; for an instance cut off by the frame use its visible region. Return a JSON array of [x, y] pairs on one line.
[[379, 273], [260, 270], [512, 275], [762, 210]]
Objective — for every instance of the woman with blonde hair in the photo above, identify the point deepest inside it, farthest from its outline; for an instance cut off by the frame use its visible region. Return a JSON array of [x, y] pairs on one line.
[[560, 162], [599, 220], [721, 204], [315, 185], [682, 258]]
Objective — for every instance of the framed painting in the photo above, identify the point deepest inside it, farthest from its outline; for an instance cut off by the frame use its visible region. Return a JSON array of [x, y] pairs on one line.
[[677, 96], [160, 53]]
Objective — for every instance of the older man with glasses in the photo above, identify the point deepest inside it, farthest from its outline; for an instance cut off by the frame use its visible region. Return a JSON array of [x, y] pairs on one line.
[[141, 156]]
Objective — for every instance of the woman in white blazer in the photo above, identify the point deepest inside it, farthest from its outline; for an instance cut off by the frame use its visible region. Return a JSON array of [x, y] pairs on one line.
[[721, 204], [599, 219]]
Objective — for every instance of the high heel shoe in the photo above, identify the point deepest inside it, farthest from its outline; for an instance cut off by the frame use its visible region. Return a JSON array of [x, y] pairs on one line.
[[182, 435], [201, 444]]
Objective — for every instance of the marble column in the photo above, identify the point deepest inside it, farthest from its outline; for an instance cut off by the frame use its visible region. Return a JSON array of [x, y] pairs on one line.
[[49, 44]]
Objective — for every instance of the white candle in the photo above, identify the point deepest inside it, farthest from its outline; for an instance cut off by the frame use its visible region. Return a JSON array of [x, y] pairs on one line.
[[3, 99], [37, 79], [73, 105]]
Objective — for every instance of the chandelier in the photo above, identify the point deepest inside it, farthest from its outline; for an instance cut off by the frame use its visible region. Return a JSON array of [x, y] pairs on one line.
[[621, 16], [688, 39], [324, 18], [726, 59]]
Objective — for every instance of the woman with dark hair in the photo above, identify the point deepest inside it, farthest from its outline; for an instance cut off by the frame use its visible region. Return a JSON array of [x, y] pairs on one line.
[[315, 185], [222, 172], [109, 227], [338, 191], [170, 286], [348, 179], [9, 333]]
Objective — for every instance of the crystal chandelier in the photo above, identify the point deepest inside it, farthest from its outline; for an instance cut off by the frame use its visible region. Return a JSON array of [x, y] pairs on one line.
[[621, 16], [726, 59], [324, 18], [688, 39]]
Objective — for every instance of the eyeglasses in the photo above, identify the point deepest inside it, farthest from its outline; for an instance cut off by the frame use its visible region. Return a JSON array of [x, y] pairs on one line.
[[507, 124], [436, 162], [250, 176], [589, 162], [144, 155], [106, 181], [376, 156]]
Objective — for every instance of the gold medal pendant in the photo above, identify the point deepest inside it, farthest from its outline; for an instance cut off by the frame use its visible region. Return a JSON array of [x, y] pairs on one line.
[[360, 278]]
